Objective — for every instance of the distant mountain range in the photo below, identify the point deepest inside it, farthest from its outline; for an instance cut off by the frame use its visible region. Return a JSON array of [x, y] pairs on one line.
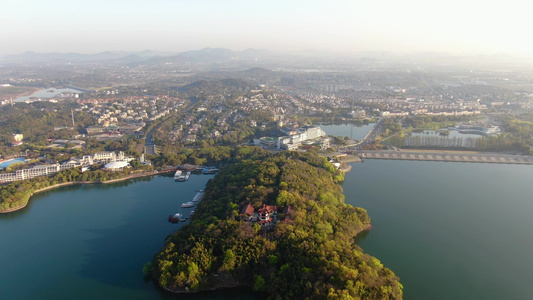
[[210, 56], [249, 58], [30, 56], [148, 57]]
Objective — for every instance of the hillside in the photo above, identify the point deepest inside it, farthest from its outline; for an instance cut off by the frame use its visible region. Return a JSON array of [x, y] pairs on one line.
[[306, 249]]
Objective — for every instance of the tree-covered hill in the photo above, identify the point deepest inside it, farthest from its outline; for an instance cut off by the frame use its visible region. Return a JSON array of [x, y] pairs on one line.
[[308, 253], [36, 121]]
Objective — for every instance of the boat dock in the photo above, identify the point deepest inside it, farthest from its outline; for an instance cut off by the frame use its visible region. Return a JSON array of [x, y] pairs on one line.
[[470, 157], [198, 196]]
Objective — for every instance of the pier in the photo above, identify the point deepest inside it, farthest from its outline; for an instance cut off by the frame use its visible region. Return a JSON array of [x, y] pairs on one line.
[[494, 158]]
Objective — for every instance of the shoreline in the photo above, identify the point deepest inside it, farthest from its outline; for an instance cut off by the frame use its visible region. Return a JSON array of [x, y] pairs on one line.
[[367, 227], [347, 169], [139, 175]]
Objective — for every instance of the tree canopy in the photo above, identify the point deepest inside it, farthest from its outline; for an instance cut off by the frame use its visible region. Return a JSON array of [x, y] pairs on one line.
[[309, 253]]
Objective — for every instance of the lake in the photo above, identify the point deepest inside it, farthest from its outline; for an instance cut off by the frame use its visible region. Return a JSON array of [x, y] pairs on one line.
[[47, 93], [92, 241], [448, 230]]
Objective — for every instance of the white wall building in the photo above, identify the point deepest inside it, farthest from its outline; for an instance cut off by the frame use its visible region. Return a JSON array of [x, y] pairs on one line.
[[36, 171], [43, 170], [304, 134]]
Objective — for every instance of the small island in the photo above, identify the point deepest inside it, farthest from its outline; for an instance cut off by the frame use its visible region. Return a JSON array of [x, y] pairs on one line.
[[276, 223]]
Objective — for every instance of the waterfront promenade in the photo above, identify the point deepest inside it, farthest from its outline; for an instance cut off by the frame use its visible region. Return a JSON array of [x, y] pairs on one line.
[[450, 156]]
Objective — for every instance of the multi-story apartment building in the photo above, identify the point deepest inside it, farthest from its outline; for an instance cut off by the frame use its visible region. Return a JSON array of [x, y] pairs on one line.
[[43, 170]]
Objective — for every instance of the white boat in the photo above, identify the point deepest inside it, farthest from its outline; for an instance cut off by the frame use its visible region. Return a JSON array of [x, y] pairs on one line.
[[183, 177], [177, 174], [198, 196], [187, 204]]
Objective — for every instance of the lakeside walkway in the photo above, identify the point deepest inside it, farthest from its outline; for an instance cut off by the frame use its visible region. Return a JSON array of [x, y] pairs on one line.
[[448, 156]]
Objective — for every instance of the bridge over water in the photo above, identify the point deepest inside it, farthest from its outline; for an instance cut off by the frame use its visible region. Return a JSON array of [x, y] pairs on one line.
[[494, 158]]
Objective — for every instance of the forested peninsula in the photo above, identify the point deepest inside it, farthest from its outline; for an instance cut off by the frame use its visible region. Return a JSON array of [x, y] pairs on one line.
[[308, 251]]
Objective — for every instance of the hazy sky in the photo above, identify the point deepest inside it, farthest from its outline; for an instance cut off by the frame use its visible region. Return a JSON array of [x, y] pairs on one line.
[[463, 26]]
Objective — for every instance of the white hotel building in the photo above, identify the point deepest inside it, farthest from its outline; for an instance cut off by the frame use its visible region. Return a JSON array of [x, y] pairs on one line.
[[44, 170], [296, 136]]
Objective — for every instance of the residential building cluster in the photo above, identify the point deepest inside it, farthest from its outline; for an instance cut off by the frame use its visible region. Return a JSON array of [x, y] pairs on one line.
[[216, 120], [128, 115], [412, 93], [317, 103], [132, 109]]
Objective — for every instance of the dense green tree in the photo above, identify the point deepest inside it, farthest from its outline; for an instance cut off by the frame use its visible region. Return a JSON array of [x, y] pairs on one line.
[[309, 253]]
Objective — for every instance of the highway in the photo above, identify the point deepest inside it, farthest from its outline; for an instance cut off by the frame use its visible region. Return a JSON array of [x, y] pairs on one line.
[[371, 136], [368, 139]]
